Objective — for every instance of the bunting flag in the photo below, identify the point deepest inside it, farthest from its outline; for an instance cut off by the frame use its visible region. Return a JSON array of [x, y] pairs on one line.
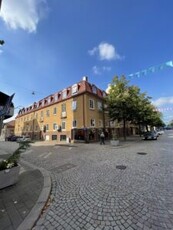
[[164, 109], [150, 70]]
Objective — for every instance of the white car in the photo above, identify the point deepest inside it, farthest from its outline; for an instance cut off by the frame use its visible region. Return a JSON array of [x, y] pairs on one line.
[[160, 132], [23, 139]]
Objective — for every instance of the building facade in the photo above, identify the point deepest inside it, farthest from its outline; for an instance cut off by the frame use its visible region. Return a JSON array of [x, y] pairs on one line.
[[76, 113]]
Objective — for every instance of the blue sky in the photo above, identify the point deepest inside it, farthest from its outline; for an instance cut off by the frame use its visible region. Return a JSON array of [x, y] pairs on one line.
[[50, 45]]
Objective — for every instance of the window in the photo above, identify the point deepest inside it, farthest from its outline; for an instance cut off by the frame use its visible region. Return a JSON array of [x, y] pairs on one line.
[[63, 125], [54, 126], [54, 111], [49, 100], [99, 105], [41, 114], [74, 89], [74, 105], [63, 108], [94, 89], [56, 97], [63, 137], [74, 124], [100, 123], [54, 137], [47, 127], [92, 122], [91, 104], [47, 113], [64, 94]]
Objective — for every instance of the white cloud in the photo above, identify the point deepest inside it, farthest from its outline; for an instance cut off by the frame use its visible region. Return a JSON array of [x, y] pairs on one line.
[[99, 70], [105, 51], [163, 101], [23, 14], [96, 70]]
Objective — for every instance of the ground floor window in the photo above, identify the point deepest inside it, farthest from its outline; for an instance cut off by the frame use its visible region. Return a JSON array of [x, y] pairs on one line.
[[54, 137], [63, 137]]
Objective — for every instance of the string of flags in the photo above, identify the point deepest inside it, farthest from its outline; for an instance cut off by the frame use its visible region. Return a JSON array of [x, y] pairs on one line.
[[152, 69], [164, 109]]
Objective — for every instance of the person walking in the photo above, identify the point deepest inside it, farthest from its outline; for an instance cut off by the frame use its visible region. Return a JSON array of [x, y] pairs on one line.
[[102, 138]]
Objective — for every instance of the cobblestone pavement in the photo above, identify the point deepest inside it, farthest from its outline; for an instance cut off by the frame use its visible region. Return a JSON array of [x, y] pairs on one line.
[[104, 187]]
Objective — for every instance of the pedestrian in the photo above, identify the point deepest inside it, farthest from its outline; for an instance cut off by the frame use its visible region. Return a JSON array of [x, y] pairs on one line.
[[102, 138]]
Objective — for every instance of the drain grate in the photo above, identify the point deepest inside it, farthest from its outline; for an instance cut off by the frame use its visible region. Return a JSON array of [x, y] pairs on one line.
[[63, 168], [122, 167], [142, 153]]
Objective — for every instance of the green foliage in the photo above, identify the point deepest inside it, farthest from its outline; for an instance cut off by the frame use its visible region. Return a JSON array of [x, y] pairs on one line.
[[12, 161], [127, 103]]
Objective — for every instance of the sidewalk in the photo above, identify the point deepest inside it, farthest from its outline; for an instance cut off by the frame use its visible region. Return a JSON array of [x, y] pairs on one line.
[[21, 204]]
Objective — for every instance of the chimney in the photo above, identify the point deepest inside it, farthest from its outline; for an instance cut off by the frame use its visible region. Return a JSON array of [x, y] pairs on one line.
[[85, 78]]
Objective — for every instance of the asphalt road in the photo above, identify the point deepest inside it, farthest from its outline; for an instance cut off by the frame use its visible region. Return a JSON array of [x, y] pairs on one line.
[[105, 187]]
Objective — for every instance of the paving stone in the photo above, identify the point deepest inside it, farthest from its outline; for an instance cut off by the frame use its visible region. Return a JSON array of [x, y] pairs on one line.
[[89, 188]]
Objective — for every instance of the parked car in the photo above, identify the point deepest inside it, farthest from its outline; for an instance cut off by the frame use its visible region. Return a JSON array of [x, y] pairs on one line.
[[12, 138], [23, 139], [151, 135], [160, 132]]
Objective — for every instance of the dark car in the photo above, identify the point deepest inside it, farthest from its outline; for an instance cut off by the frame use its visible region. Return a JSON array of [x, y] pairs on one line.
[[150, 135], [12, 138]]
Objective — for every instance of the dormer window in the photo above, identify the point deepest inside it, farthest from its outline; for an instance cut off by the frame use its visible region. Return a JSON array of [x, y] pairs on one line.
[[49, 100], [74, 89], [64, 94], [56, 97], [104, 94], [94, 89]]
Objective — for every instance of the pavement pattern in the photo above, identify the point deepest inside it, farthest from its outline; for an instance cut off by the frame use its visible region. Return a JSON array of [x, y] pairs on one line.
[[17, 201], [103, 187]]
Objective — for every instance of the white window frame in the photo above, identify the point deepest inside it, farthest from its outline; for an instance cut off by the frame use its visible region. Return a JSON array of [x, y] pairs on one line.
[[48, 113], [54, 126], [54, 110], [63, 125], [99, 105], [94, 89], [91, 104], [63, 107], [100, 123], [74, 105], [74, 89], [64, 93], [92, 122], [74, 124]]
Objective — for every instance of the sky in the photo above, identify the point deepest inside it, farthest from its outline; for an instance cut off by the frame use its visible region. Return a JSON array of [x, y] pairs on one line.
[[50, 45]]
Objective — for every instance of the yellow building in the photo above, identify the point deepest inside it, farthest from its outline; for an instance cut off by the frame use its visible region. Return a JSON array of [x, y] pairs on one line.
[[75, 113]]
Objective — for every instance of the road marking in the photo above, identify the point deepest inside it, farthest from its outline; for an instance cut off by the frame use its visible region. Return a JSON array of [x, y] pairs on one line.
[[48, 155], [26, 152], [43, 154]]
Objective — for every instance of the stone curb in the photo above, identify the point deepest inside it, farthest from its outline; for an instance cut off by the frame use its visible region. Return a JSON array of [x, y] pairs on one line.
[[35, 212]]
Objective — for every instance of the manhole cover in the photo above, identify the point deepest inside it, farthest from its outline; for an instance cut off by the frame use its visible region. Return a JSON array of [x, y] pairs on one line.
[[141, 153], [122, 167], [63, 168]]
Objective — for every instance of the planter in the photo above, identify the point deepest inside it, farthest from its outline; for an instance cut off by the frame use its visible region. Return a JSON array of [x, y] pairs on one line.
[[114, 142], [9, 176]]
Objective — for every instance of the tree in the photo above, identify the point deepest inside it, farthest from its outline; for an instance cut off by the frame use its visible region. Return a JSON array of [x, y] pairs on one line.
[[127, 103], [122, 101]]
